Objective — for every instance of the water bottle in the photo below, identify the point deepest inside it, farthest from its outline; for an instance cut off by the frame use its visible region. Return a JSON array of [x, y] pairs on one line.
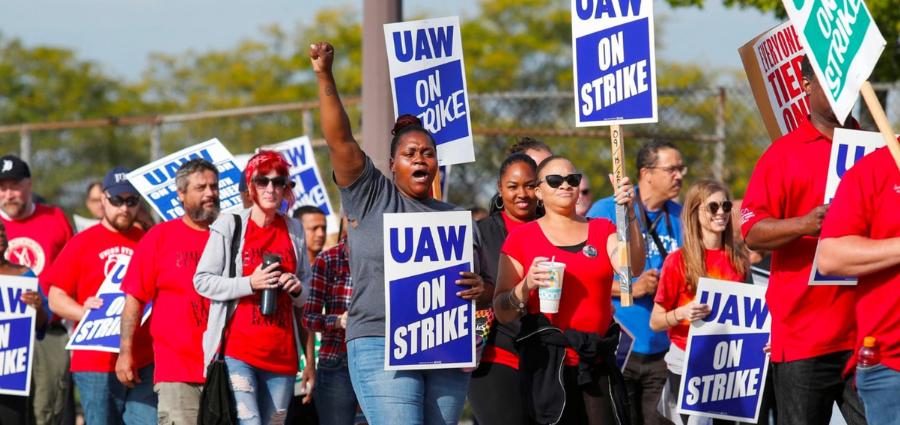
[[868, 355], [267, 302]]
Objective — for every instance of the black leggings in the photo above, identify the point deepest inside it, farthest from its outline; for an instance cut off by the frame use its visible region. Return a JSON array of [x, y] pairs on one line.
[[589, 404], [13, 409], [495, 395]]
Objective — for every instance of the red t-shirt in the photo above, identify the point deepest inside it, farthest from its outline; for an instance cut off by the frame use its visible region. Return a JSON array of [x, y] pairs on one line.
[[79, 271], [866, 204], [34, 242], [789, 181], [587, 282], [672, 291], [162, 271], [266, 342], [510, 223]]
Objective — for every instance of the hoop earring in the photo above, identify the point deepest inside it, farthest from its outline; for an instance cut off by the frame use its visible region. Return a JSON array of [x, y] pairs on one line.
[[498, 203], [578, 202], [540, 203]]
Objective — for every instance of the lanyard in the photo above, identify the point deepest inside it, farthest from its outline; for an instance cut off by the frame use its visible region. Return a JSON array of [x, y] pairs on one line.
[[651, 227]]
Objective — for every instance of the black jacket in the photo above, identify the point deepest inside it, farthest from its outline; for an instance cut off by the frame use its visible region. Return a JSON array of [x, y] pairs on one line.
[[542, 350], [493, 234]]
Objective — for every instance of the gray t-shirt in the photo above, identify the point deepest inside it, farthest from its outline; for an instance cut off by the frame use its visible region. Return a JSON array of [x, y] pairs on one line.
[[366, 201]]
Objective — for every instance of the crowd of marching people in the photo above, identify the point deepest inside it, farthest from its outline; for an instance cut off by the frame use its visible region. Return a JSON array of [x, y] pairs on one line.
[[250, 291]]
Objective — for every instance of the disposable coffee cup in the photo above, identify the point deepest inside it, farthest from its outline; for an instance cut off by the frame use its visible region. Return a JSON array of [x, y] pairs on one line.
[[269, 296], [550, 296]]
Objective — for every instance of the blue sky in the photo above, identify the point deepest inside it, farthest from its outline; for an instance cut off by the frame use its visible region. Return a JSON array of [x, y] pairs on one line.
[[120, 34]]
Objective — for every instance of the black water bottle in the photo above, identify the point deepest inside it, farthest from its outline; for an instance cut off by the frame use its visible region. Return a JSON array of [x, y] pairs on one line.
[[267, 302]]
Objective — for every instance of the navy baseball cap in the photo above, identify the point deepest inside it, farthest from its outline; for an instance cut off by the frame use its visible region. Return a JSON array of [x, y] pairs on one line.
[[242, 185], [115, 183]]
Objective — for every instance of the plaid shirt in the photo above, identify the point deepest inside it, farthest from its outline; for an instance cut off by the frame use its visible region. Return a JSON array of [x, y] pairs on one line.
[[330, 287]]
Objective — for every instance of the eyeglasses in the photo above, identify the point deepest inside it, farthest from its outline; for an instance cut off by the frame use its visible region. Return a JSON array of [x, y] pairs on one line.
[[556, 180], [714, 207], [118, 201], [263, 182], [673, 169], [586, 192]]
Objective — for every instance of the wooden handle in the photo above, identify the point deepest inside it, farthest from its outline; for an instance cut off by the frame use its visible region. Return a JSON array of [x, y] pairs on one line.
[[436, 186], [884, 126], [618, 167]]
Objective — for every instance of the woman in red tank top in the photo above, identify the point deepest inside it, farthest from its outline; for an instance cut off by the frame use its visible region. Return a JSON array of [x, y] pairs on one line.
[[588, 248]]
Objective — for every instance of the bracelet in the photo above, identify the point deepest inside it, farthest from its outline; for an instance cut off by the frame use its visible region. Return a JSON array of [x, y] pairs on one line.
[[667, 319], [516, 303], [632, 218]]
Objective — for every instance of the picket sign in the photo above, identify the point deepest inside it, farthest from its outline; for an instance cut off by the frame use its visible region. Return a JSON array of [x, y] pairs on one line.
[[17, 335], [724, 364], [427, 326]]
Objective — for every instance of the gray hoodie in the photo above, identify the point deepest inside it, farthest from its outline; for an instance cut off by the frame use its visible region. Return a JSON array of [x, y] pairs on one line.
[[212, 281]]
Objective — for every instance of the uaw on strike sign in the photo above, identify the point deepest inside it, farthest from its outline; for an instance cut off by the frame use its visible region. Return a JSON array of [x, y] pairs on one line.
[[16, 335], [427, 326], [428, 79], [615, 62]]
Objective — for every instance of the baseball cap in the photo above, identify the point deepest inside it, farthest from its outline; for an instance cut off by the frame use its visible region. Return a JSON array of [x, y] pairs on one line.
[[12, 167], [242, 185], [116, 184]]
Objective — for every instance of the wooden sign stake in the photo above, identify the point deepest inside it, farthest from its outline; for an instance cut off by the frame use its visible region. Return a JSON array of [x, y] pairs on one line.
[[618, 162], [884, 126]]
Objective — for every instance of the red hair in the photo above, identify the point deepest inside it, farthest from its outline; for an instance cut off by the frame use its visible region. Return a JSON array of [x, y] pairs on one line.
[[264, 163]]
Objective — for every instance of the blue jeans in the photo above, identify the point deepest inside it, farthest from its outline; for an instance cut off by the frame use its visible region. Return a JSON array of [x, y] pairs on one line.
[[106, 401], [335, 399], [259, 393], [434, 396], [878, 387]]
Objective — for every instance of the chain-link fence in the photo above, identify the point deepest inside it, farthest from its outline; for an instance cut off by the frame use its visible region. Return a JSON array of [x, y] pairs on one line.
[[718, 131]]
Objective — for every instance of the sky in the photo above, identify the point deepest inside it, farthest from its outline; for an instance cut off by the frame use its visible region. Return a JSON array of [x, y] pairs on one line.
[[121, 34]]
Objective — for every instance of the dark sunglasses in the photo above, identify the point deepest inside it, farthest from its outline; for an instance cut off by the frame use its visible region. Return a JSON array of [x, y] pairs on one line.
[[714, 207], [263, 182], [117, 201], [556, 180]]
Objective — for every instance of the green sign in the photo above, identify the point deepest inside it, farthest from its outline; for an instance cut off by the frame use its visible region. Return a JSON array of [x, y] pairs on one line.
[[844, 45]]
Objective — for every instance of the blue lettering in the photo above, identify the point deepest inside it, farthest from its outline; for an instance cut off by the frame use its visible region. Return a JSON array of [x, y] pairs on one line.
[[842, 158], [442, 40], [167, 172], [730, 311], [452, 242], [635, 7], [14, 295], [403, 50], [423, 51], [584, 10], [704, 296], [755, 312], [605, 7], [119, 274], [426, 246], [296, 156], [405, 255]]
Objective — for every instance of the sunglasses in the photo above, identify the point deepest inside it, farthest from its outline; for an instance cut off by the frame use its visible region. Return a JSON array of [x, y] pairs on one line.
[[262, 182], [714, 207], [117, 201], [556, 180]]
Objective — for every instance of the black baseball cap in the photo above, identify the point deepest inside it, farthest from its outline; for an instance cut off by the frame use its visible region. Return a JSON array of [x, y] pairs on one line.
[[12, 167], [115, 183]]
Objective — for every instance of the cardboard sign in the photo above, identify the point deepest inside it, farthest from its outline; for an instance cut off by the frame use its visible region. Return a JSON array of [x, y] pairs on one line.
[[82, 223], [847, 148], [614, 62], [100, 329], [623, 350], [725, 366], [772, 63], [17, 334], [427, 326], [428, 79], [156, 181], [310, 188], [843, 44]]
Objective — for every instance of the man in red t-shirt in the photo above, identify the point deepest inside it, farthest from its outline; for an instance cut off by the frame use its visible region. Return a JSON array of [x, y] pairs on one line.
[[162, 272], [74, 280], [813, 329], [37, 233], [860, 238]]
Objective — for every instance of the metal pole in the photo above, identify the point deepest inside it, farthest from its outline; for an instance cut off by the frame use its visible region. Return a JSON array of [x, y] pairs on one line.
[[155, 145], [719, 160], [308, 123], [377, 99], [25, 145]]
